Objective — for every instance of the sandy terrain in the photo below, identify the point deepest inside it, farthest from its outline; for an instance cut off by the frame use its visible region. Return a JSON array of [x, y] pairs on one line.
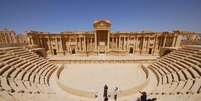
[[92, 77]]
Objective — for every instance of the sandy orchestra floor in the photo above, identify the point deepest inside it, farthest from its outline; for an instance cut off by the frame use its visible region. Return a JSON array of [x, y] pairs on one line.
[[92, 77]]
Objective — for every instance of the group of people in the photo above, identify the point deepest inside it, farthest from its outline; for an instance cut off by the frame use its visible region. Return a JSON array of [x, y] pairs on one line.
[[106, 95], [114, 95]]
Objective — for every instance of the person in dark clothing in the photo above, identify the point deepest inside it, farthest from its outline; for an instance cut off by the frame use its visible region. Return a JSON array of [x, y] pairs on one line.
[[143, 96], [115, 93], [105, 91], [106, 99]]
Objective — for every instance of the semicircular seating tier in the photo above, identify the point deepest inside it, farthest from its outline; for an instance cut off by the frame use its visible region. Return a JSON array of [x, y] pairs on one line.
[[23, 73], [178, 74]]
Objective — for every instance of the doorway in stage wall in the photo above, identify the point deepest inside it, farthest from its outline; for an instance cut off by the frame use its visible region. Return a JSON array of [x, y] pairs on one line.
[[102, 41], [54, 51], [73, 51], [150, 50], [131, 50]]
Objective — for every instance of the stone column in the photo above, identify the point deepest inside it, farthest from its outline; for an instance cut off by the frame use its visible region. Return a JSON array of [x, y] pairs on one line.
[[142, 48], [11, 38], [136, 43], [31, 40], [8, 36], [85, 44], [95, 41], [148, 42], [112, 42], [6, 40], [174, 40], [89, 44], [156, 45], [69, 45], [116, 43], [14, 38], [164, 41], [80, 44], [61, 46], [124, 43], [48, 43], [57, 46], [0, 38], [40, 42], [108, 41], [119, 43]]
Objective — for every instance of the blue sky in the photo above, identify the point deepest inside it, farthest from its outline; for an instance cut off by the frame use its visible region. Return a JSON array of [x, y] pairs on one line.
[[78, 15]]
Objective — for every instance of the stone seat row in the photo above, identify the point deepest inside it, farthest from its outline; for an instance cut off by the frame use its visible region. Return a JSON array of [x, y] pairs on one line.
[[22, 71], [178, 72]]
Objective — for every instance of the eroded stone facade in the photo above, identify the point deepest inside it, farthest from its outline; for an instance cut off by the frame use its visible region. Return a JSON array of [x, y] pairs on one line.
[[7, 36], [102, 41]]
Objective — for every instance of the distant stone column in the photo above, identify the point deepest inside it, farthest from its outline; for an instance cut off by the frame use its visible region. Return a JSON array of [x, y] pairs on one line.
[[41, 43], [91, 43], [112, 43], [124, 43], [49, 45], [144, 44], [13, 37], [108, 41], [174, 40], [155, 44], [164, 42], [136, 43], [116, 42], [148, 43], [119, 43], [95, 42], [141, 44], [80, 43], [61, 45], [85, 43], [30, 40], [9, 38], [57, 47], [6, 40], [0, 38]]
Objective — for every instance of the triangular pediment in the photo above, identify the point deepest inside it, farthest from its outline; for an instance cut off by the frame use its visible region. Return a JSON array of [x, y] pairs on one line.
[[102, 24]]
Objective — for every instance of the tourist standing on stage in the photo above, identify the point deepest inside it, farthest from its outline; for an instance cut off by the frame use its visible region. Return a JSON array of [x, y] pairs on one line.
[[115, 93], [105, 93], [143, 96]]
